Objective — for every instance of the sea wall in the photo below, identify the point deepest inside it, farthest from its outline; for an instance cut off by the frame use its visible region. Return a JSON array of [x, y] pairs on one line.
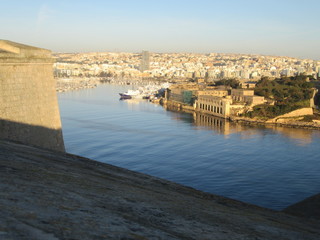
[[296, 113], [29, 111]]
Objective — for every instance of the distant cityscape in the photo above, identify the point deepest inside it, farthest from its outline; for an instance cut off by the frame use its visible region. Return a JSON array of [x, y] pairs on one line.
[[169, 66]]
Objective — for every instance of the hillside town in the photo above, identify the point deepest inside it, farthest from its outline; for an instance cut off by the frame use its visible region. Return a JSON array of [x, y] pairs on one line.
[[222, 85], [175, 66]]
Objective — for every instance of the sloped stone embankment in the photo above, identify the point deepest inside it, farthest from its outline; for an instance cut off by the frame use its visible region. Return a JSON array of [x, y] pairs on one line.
[[49, 195]]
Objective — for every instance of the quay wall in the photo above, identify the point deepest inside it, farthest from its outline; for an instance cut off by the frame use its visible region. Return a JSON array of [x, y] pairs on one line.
[[295, 113], [29, 111], [177, 106]]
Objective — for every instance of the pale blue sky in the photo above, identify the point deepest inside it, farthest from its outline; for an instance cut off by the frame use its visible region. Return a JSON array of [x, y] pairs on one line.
[[271, 27]]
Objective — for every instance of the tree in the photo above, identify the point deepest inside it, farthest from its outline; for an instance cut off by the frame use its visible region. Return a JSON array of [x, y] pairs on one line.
[[234, 83], [289, 93]]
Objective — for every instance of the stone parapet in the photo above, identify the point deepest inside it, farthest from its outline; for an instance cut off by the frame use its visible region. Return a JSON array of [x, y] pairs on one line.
[[10, 49], [295, 113]]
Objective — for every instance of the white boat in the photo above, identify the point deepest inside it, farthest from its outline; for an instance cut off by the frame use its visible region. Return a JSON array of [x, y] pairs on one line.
[[132, 94], [143, 92]]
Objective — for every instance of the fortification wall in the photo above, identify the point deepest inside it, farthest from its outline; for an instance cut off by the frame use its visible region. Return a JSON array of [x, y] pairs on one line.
[[29, 111], [295, 113]]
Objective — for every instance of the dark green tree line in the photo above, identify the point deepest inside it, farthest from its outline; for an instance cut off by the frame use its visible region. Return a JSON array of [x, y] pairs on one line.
[[288, 94]]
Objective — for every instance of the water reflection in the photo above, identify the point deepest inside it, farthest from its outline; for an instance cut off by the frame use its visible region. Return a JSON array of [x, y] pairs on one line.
[[132, 104], [219, 125], [225, 127], [299, 137]]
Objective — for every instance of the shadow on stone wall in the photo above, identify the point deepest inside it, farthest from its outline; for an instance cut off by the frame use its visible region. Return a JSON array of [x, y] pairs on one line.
[[308, 208], [32, 135]]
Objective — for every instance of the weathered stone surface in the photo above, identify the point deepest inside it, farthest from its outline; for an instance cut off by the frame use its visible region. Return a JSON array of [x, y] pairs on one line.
[[295, 113], [308, 208], [29, 110], [48, 195]]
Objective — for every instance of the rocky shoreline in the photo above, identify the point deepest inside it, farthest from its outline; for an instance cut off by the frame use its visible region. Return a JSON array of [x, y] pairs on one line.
[[291, 124], [247, 121], [51, 195]]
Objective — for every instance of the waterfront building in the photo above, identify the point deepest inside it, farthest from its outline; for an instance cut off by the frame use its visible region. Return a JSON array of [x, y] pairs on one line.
[[183, 93], [213, 105], [225, 107], [214, 101]]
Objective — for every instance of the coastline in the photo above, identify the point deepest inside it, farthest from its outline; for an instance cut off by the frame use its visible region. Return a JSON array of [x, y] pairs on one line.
[[65, 85], [242, 120], [292, 124]]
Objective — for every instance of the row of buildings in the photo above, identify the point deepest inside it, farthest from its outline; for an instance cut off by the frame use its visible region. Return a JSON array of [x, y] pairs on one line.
[[211, 67], [217, 101]]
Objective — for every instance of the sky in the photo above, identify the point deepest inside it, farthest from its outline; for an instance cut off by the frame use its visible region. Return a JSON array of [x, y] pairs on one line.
[[274, 27]]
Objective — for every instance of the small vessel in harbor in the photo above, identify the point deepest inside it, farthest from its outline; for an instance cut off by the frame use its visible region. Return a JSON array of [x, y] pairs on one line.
[[131, 94], [124, 96], [145, 92]]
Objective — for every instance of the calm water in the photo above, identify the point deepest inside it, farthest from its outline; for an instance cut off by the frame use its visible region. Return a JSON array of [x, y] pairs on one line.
[[265, 166]]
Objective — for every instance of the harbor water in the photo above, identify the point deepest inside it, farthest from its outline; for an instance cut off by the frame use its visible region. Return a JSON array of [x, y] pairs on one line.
[[271, 167]]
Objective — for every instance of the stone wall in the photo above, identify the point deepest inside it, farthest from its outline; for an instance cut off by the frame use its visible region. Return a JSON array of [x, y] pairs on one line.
[[296, 113], [29, 111]]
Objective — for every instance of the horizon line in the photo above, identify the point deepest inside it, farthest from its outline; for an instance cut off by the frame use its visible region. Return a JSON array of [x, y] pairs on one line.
[[198, 53]]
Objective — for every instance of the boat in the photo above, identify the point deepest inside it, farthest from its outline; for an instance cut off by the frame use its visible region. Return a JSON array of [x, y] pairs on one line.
[[124, 96], [131, 94], [145, 92]]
